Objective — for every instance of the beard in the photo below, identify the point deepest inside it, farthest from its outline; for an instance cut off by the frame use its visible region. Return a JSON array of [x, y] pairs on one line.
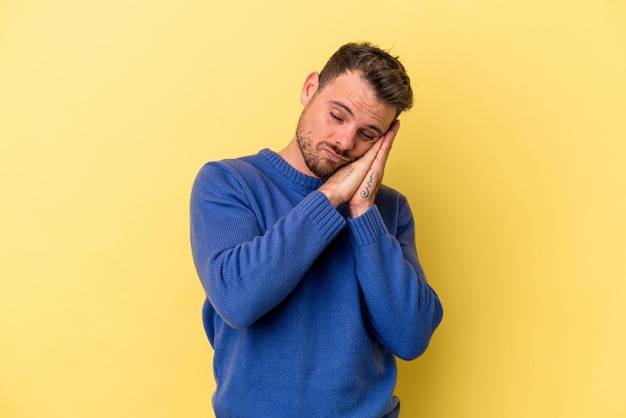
[[321, 166]]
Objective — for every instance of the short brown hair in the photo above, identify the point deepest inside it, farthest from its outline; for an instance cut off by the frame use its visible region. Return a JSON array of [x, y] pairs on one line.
[[382, 71]]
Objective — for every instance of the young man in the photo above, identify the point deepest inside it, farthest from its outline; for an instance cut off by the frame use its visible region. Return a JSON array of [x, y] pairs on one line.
[[309, 264]]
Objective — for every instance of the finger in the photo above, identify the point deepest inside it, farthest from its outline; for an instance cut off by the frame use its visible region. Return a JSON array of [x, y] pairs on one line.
[[390, 136], [385, 147], [395, 127], [368, 158]]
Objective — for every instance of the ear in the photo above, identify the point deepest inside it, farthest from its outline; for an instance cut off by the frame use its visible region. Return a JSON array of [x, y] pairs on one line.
[[310, 87]]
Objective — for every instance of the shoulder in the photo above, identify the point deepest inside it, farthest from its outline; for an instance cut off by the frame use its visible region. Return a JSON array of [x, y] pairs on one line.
[[233, 179], [394, 208], [231, 169], [246, 163]]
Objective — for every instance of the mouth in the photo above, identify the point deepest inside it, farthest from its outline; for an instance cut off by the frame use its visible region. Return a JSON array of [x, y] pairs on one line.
[[334, 157]]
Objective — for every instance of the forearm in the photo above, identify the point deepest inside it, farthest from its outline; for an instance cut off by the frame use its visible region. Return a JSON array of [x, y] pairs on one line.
[[246, 271], [403, 309]]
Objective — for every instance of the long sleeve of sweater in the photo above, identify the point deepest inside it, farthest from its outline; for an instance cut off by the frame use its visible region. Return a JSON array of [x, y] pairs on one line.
[[247, 268], [403, 309]]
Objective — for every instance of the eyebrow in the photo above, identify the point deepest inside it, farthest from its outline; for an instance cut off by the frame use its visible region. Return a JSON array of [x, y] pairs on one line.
[[349, 111]]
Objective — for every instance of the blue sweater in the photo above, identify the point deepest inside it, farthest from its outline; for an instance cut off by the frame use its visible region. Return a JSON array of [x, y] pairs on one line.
[[306, 308]]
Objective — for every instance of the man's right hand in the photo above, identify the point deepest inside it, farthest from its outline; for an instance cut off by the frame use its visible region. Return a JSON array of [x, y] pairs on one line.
[[342, 185]]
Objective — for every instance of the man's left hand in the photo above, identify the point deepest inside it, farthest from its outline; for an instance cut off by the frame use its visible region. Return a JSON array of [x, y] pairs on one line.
[[365, 194]]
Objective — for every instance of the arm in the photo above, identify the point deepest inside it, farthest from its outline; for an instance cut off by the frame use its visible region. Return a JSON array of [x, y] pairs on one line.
[[403, 310], [245, 270]]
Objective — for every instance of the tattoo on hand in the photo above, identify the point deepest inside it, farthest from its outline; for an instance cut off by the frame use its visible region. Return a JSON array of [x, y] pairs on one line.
[[366, 192]]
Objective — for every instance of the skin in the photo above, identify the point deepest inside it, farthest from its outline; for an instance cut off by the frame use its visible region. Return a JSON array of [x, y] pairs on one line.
[[344, 135]]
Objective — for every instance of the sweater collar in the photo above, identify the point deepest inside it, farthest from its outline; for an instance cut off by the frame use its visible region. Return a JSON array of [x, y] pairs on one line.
[[293, 175]]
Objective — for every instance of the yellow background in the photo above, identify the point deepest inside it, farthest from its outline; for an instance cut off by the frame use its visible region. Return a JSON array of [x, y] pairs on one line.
[[513, 157]]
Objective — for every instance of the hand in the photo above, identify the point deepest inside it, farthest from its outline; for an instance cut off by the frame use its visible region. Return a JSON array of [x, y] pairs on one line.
[[358, 182], [365, 195]]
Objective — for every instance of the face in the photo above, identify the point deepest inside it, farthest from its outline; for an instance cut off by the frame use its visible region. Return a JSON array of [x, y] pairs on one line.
[[339, 123]]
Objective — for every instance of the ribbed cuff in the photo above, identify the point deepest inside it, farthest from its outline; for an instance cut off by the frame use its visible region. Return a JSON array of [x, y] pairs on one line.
[[324, 216], [368, 227]]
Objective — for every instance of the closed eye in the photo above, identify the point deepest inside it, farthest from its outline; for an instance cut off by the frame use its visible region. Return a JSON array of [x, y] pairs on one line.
[[337, 118], [368, 136]]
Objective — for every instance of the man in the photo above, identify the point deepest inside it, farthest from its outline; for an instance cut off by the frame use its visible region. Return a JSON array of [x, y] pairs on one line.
[[309, 264]]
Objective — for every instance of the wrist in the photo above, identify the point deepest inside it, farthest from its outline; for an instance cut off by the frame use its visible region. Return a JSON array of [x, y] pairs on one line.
[[332, 197], [356, 211]]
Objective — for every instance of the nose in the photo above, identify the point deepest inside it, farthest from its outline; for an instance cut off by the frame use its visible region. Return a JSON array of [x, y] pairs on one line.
[[345, 138]]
